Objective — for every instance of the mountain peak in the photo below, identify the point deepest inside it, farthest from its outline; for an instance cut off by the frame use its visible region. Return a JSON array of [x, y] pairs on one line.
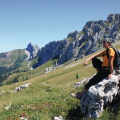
[[33, 49]]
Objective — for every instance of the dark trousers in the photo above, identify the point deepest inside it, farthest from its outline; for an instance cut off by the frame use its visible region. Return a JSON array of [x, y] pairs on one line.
[[100, 75]]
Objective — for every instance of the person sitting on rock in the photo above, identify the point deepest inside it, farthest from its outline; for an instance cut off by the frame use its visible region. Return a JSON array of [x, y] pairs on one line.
[[104, 69]]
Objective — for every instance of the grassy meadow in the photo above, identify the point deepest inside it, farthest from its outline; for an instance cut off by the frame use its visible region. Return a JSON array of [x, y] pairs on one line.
[[49, 95]]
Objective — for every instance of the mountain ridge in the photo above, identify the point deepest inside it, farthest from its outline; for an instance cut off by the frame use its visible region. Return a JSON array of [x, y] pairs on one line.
[[77, 45]]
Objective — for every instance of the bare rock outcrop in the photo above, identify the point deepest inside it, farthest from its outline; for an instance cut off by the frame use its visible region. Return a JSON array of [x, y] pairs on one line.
[[98, 96], [32, 50]]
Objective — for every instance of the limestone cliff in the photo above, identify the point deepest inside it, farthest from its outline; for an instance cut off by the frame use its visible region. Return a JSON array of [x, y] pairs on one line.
[[79, 43]]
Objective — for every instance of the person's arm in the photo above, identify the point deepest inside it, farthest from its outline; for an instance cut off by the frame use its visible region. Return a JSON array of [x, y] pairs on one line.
[[111, 66], [90, 58], [111, 60]]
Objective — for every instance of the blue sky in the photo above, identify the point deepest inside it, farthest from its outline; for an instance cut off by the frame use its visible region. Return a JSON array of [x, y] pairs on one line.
[[44, 21]]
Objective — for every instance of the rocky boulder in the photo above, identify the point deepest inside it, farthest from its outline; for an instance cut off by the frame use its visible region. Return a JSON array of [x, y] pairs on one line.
[[98, 96], [21, 87]]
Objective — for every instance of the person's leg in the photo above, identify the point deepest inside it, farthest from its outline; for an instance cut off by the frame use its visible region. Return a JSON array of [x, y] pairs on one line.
[[97, 64], [97, 78], [83, 91], [97, 70], [78, 95]]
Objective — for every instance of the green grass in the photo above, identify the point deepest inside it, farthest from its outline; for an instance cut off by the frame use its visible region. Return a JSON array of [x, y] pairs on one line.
[[82, 32], [15, 63], [70, 39], [22, 73], [49, 95], [34, 61]]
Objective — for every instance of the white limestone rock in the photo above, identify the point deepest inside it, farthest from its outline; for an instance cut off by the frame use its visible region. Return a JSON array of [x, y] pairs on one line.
[[96, 28], [33, 50], [74, 34], [58, 118], [98, 96], [111, 18], [21, 87]]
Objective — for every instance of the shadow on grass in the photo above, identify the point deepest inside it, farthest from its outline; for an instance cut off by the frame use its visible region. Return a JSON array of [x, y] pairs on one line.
[[74, 114]]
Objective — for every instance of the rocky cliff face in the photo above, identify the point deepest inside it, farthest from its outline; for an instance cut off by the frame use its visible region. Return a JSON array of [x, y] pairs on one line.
[[79, 44], [32, 51]]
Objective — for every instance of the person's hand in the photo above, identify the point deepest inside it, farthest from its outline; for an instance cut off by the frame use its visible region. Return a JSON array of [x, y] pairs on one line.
[[85, 63], [109, 76]]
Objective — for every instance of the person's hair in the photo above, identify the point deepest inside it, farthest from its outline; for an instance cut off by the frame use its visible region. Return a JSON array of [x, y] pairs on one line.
[[109, 40]]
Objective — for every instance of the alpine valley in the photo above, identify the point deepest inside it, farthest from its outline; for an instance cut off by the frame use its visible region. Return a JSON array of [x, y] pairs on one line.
[[23, 64]]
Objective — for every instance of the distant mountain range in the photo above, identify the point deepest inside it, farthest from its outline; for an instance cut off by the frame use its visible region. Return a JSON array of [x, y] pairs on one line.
[[77, 45]]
